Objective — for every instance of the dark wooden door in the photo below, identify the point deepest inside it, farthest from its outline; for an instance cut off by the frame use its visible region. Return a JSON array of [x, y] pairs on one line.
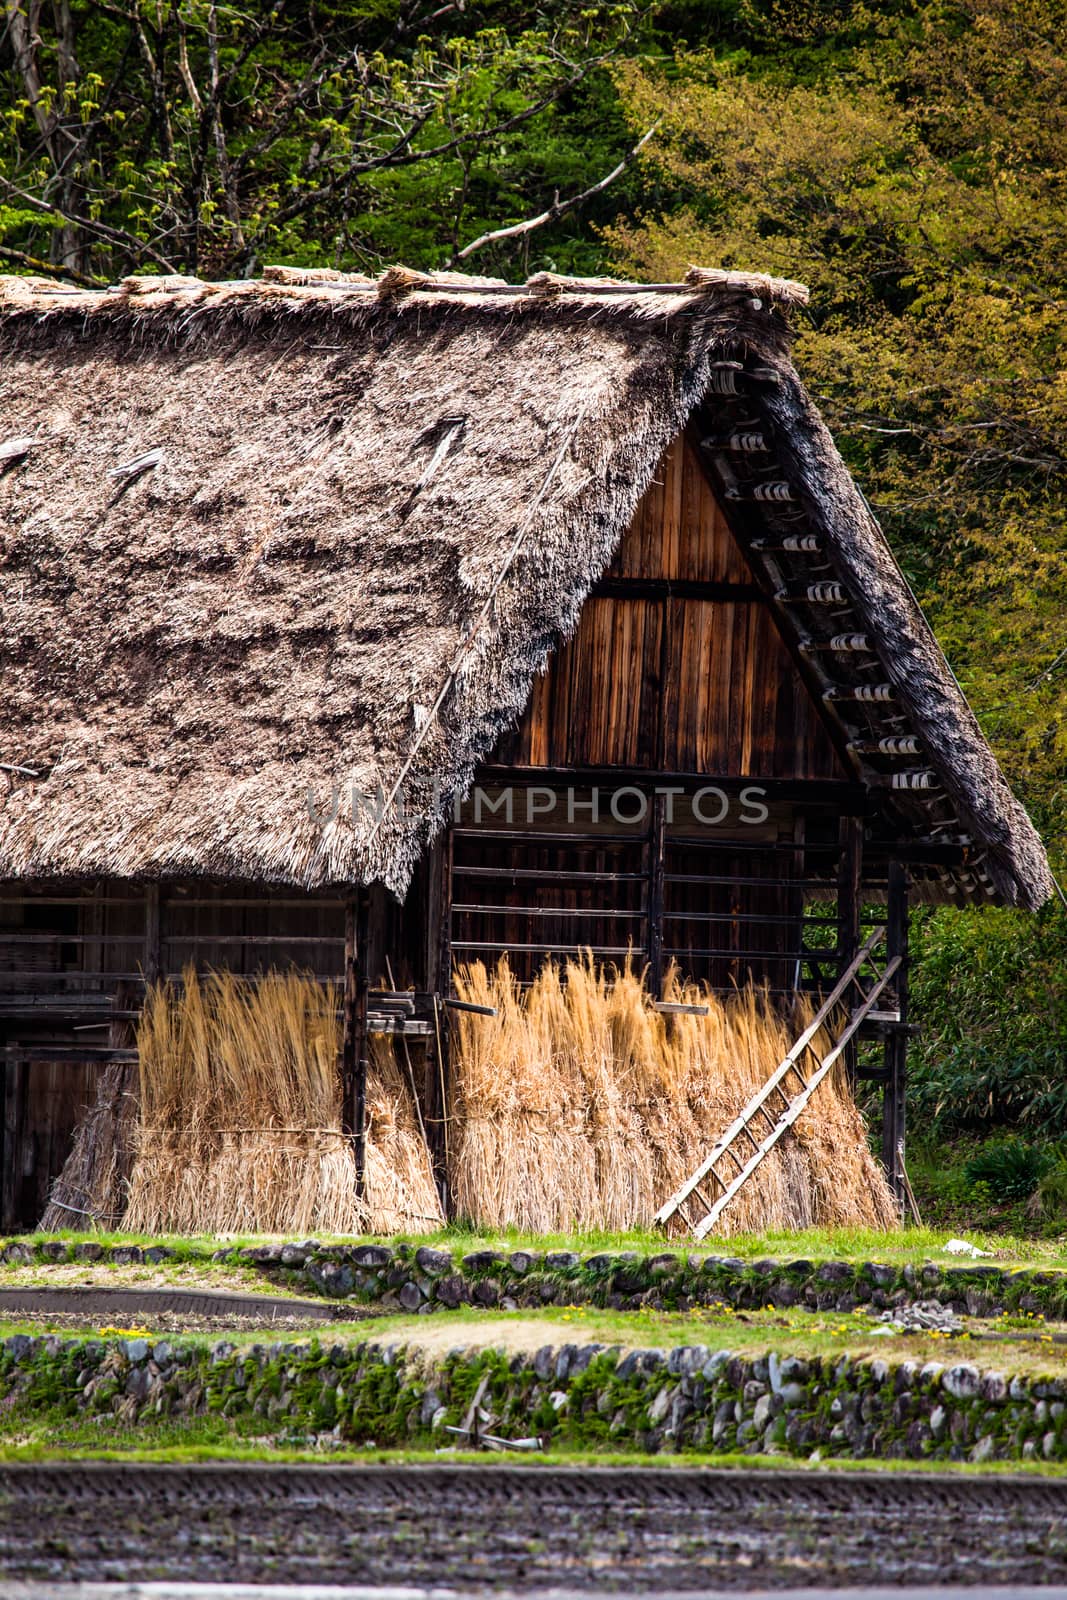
[[43, 1102]]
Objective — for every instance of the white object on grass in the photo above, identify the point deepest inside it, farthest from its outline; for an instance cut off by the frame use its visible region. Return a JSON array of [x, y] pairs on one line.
[[960, 1247]]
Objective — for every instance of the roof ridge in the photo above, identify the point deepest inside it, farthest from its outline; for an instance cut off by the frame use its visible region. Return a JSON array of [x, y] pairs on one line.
[[399, 281]]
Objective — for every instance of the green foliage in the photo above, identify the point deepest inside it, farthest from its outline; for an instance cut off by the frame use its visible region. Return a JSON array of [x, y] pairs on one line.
[[991, 990], [1009, 1169], [203, 139], [1049, 1200]]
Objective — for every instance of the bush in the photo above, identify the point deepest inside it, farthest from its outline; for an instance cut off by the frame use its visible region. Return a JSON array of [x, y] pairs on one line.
[[989, 992], [1049, 1200], [1009, 1169]]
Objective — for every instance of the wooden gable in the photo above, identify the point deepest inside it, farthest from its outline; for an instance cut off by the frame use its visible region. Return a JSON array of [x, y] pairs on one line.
[[677, 664]]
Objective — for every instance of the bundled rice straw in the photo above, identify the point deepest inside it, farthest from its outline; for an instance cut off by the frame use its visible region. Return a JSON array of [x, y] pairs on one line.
[[240, 1125], [579, 1105], [91, 1189], [576, 1105]]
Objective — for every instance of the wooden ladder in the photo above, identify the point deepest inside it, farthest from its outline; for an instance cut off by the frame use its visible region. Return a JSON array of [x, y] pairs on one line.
[[779, 1102]]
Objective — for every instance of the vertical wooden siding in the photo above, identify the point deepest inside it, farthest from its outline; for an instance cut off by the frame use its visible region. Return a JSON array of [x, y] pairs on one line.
[[41, 1102], [676, 682], [678, 530]]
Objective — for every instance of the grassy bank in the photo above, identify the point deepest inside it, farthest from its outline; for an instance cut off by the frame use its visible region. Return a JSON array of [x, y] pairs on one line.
[[914, 1245], [706, 1387]]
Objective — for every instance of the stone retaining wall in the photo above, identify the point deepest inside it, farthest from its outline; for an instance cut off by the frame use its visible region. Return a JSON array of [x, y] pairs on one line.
[[409, 1278], [583, 1396]]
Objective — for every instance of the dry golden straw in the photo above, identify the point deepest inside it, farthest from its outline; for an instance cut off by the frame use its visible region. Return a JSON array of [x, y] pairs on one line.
[[578, 1105], [240, 1125]]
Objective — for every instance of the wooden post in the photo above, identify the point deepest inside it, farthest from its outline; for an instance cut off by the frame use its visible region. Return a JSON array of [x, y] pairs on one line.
[[797, 868], [9, 1111], [439, 982], [657, 844], [849, 907], [896, 1042], [354, 1036], [153, 936]]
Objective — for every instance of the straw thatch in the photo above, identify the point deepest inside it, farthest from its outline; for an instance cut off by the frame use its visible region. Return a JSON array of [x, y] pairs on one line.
[[240, 1118], [272, 539], [579, 1105]]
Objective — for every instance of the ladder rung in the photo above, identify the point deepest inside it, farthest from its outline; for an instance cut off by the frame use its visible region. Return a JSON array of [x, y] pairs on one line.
[[801, 1101], [792, 1106]]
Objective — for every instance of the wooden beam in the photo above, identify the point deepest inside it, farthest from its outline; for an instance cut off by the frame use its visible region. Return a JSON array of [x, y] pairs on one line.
[[849, 908], [896, 1042], [152, 933], [849, 881], [354, 1032], [438, 1074], [16, 1070], [844, 796], [657, 846], [674, 589]]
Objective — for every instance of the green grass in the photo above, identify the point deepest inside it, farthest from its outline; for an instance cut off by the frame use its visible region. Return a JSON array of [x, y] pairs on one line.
[[149, 1452], [789, 1331], [846, 1244], [206, 1439]]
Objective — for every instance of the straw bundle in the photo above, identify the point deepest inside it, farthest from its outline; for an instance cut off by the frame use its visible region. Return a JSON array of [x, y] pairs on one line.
[[240, 1126], [91, 1189], [578, 1105]]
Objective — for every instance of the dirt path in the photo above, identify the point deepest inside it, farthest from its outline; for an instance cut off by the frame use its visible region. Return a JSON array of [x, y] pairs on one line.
[[470, 1526], [165, 1309]]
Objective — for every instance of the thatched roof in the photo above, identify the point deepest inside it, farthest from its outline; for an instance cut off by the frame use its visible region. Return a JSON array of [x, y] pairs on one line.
[[273, 537]]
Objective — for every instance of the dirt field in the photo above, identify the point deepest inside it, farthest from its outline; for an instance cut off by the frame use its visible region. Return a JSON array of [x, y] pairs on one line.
[[466, 1526]]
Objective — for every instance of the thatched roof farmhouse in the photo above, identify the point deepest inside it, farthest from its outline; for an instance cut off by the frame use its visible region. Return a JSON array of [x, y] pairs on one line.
[[266, 544]]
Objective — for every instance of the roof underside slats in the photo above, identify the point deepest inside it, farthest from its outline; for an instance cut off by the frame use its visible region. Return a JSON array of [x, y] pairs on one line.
[[262, 544]]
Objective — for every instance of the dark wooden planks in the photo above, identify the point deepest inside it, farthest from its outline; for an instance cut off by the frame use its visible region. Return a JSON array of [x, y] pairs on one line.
[[43, 1101], [672, 677]]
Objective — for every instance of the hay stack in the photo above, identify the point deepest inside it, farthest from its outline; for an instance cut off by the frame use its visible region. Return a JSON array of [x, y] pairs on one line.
[[240, 1125], [578, 1105]]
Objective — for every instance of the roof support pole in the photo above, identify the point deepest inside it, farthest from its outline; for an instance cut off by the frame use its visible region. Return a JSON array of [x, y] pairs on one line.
[[354, 1037], [849, 908], [12, 1108], [896, 1042], [438, 1075], [657, 845], [153, 934]]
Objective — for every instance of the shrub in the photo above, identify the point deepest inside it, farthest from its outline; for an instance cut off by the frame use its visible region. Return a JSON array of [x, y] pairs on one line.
[[989, 992], [1009, 1169], [1049, 1200]]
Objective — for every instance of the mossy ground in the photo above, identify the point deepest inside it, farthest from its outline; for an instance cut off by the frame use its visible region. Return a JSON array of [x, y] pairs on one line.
[[1023, 1342], [155, 1444], [1018, 1343]]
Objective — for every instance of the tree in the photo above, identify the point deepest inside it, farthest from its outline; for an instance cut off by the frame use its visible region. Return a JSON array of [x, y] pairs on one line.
[[184, 136], [919, 188]]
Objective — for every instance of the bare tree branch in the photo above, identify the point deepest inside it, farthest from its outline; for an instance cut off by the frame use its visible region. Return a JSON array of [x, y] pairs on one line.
[[558, 208], [118, 236], [49, 269]]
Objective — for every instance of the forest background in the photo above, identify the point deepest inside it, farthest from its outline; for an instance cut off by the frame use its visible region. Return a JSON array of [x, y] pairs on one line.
[[908, 161]]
